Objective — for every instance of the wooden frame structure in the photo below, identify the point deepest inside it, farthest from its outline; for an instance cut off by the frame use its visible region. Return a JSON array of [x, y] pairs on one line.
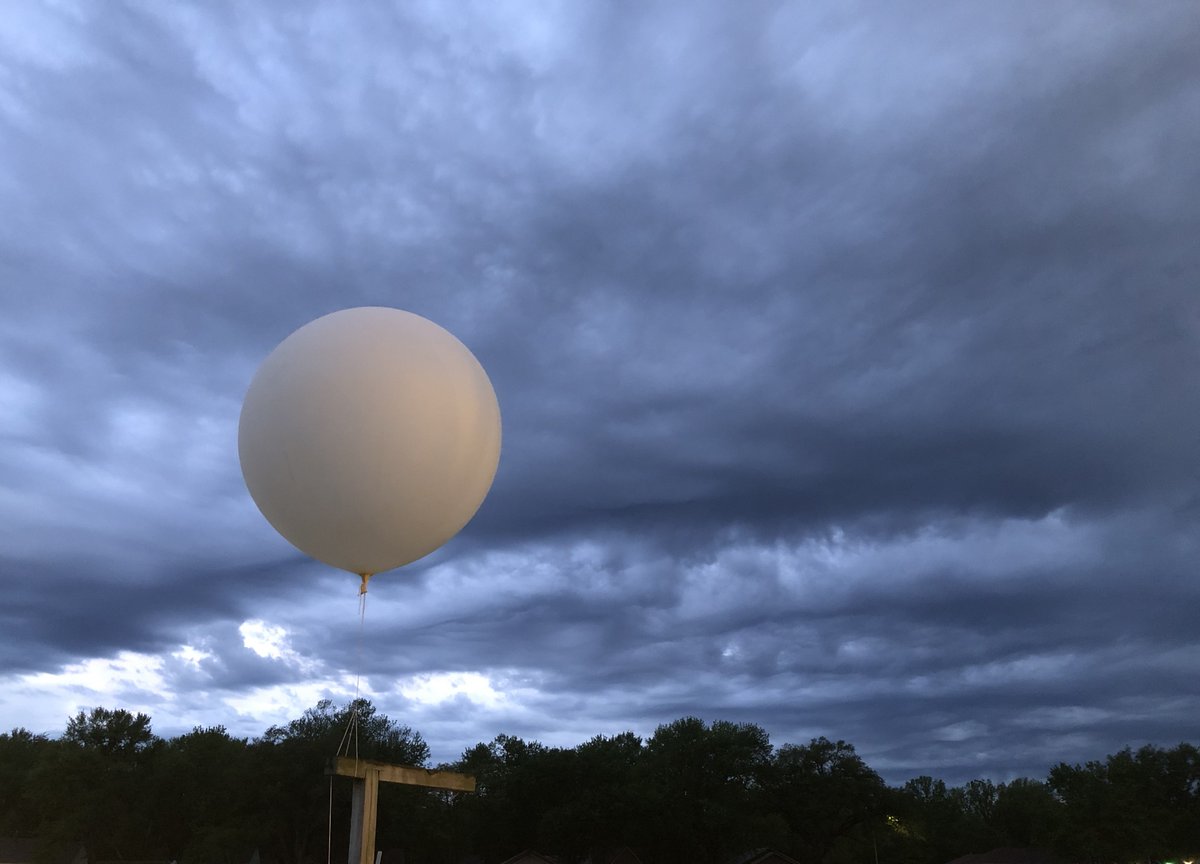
[[364, 802]]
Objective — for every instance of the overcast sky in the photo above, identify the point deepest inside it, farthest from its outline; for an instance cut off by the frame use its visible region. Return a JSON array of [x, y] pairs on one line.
[[848, 356]]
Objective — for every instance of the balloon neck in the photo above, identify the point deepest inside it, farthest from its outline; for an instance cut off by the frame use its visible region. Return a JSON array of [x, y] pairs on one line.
[[362, 589]]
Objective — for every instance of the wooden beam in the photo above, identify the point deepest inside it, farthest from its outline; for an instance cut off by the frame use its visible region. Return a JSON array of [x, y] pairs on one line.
[[363, 815], [361, 769]]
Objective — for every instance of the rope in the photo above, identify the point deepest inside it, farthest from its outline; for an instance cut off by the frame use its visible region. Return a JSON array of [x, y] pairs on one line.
[[329, 826], [350, 734], [358, 660], [352, 723]]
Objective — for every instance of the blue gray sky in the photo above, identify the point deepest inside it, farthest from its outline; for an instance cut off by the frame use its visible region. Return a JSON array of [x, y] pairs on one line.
[[848, 357]]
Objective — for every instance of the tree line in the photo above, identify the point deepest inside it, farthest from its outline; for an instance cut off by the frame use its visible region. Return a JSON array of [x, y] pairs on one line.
[[691, 792]]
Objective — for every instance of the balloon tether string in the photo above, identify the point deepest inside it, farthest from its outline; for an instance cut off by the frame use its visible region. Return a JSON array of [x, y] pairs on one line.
[[329, 826], [351, 732], [358, 660]]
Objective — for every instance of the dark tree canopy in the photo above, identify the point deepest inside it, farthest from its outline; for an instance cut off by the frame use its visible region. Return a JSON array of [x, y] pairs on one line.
[[1135, 805], [114, 733], [694, 791], [825, 794]]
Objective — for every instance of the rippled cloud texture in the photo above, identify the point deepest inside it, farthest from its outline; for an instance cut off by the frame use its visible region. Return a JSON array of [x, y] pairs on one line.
[[849, 358]]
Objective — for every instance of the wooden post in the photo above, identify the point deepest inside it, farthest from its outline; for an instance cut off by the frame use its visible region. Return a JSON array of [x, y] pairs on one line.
[[364, 801]]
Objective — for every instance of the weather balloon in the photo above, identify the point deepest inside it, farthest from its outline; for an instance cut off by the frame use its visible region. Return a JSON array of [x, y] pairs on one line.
[[369, 437]]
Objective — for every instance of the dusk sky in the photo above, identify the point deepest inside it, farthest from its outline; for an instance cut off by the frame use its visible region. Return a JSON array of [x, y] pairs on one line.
[[848, 356]]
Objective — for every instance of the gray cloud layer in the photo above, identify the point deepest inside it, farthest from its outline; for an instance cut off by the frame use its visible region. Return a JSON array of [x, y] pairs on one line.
[[847, 359]]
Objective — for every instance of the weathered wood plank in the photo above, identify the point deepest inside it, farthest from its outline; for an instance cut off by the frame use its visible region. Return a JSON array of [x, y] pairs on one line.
[[363, 815], [346, 766]]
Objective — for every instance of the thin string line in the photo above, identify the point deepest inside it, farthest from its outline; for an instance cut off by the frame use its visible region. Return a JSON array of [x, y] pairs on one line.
[[351, 731], [343, 745], [350, 735], [329, 826], [358, 664]]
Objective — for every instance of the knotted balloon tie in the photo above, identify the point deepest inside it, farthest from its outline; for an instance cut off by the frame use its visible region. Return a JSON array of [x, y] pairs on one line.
[[366, 577]]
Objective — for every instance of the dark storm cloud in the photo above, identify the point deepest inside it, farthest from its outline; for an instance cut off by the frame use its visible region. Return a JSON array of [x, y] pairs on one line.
[[938, 652], [995, 337], [846, 358]]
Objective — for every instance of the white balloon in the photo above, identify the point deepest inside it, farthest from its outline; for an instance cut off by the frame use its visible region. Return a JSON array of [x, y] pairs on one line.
[[369, 437]]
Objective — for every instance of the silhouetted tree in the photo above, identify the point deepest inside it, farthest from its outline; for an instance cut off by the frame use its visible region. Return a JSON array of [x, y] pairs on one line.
[[94, 785], [1142, 805], [600, 804], [934, 821], [826, 796], [203, 802], [517, 783], [21, 751], [693, 792], [698, 781], [1027, 813]]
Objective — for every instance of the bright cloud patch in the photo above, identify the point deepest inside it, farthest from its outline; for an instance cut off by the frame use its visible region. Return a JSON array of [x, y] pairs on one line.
[[441, 686], [130, 680], [266, 640], [103, 677], [263, 706]]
